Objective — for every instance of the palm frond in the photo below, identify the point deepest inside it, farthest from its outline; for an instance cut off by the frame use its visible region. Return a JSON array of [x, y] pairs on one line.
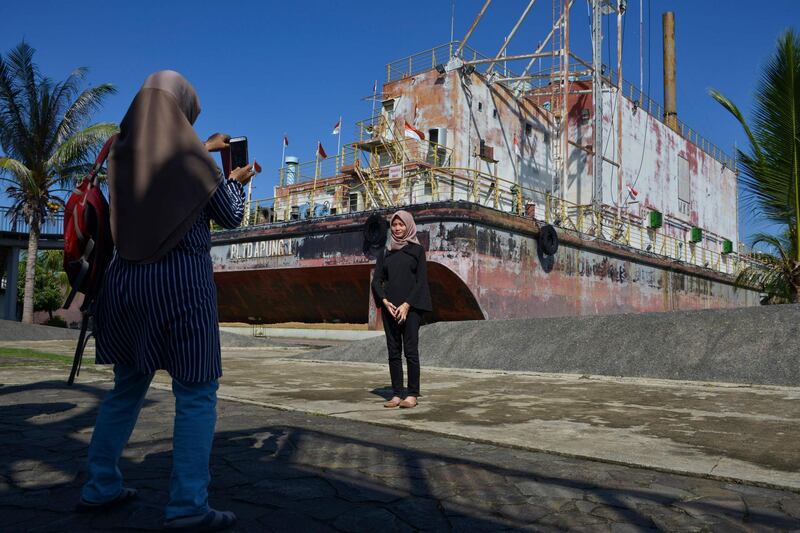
[[25, 72], [79, 111], [20, 172], [734, 110], [13, 127], [770, 170], [777, 244], [75, 149]]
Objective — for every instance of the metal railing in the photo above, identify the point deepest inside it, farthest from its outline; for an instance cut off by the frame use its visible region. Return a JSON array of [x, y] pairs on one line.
[[52, 225], [428, 59], [423, 185]]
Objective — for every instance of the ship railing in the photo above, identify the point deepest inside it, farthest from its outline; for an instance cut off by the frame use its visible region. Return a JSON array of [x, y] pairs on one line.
[[653, 108], [620, 226], [378, 157], [317, 169], [428, 59], [438, 55]]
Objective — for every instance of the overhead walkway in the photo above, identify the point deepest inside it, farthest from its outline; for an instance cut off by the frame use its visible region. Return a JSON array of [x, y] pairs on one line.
[[13, 240]]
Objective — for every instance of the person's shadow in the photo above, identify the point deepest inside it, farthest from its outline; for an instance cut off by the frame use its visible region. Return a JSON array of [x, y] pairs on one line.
[[298, 473]]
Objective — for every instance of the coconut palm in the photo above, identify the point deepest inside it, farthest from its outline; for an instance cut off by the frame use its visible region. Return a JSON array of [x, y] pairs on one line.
[[770, 168], [45, 143], [778, 278]]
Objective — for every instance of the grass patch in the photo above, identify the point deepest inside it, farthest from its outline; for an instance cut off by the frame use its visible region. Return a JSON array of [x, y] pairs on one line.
[[17, 356]]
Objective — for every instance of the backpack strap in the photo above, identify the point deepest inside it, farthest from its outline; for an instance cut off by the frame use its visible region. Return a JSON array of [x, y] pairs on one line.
[[101, 158]]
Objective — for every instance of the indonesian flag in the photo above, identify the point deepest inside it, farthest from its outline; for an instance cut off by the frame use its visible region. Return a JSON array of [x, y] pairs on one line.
[[321, 151], [337, 128], [516, 144], [413, 132], [633, 192], [285, 140]]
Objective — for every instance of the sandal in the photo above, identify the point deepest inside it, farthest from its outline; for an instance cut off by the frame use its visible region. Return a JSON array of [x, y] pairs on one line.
[[125, 495], [394, 402], [213, 520], [409, 402]]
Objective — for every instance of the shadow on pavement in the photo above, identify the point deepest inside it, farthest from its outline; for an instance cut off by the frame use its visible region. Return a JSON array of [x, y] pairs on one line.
[[306, 473]]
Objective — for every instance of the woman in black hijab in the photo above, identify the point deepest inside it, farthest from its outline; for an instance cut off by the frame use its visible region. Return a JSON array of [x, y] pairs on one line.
[[158, 306]]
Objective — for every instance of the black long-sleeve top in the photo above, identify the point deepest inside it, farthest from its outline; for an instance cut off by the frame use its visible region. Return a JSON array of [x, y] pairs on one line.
[[401, 276]]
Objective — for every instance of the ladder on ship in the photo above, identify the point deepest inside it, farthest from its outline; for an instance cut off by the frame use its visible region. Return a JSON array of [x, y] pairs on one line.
[[375, 191]]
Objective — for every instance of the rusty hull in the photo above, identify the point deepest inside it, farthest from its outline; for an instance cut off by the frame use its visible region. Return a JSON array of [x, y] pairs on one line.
[[483, 264]]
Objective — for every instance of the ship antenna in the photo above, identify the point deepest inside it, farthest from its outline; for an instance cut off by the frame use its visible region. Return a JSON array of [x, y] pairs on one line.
[[452, 19]]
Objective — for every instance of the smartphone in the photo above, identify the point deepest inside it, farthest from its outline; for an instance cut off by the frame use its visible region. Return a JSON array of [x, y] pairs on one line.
[[239, 157]]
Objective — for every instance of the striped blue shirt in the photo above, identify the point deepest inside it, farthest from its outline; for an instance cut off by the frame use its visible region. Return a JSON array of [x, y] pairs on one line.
[[163, 315]]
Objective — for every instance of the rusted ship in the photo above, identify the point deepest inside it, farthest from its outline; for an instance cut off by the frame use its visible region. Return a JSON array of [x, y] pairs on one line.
[[486, 159]]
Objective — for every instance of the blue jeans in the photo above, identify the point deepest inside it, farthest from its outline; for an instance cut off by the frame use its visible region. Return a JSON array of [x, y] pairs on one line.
[[195, 417]]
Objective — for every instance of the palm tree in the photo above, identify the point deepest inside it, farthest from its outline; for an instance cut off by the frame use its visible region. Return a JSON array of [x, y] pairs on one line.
[[45, 142], [775, 277], [770, 169]]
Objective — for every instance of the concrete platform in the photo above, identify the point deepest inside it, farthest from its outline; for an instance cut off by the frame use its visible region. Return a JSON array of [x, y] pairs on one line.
[[748, 434], [288, 471]]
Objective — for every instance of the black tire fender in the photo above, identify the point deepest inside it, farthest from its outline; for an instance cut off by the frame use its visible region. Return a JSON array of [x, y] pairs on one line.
[[548, 240], [375, 230]]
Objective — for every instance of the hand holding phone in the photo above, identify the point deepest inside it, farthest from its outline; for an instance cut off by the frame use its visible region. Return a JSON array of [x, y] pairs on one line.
[[242, 174], [217, 142], [239, 157]]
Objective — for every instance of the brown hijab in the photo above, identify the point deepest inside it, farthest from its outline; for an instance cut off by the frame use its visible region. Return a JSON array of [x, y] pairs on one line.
[[410, 234], [160, 174]]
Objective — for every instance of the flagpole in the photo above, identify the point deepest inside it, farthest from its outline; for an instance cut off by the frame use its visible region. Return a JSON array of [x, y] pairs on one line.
[[283, 160], [374, 97], [339, 145], [249, 194], [314, 187]]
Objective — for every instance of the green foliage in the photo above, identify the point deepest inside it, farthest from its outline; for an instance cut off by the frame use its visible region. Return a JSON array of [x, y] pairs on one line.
[[56, 321], [776, 280], [44, 136], [46, 141], [50, 282], [770, 167]]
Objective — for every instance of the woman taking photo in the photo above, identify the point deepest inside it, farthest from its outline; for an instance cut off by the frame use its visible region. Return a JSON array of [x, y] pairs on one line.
[[400, 286], [158, 306]]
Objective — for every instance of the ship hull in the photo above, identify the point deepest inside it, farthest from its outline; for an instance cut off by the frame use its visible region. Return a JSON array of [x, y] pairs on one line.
[[483, 264]]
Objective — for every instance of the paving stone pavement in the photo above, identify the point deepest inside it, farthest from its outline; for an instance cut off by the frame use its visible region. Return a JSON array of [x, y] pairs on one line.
[[290, 471]]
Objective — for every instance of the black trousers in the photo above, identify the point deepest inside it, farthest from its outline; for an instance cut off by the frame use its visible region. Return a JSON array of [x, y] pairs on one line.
[[398, 337]]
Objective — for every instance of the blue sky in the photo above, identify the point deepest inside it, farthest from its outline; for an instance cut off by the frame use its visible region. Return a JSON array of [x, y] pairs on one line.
[[265, 68]]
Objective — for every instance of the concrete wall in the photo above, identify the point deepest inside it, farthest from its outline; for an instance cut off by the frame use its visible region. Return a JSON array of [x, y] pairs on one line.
[[757, 345]]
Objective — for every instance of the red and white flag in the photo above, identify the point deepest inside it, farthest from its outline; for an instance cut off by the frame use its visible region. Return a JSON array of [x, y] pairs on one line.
[[337, 128], [413, 132], [516, 144], [321, 151], [631, 191], [285, 140]]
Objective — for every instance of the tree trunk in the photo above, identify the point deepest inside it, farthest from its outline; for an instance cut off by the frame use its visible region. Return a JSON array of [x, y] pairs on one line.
[[30, 271]]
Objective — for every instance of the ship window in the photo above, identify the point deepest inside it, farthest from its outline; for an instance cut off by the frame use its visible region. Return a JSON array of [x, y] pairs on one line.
[[494, 113], [684, 189], [433, 135], [528, 129], [354, 201], [428, 189], [480, 106]]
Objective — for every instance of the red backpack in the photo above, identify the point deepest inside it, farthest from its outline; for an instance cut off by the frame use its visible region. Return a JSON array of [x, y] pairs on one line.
[[88, 246]]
